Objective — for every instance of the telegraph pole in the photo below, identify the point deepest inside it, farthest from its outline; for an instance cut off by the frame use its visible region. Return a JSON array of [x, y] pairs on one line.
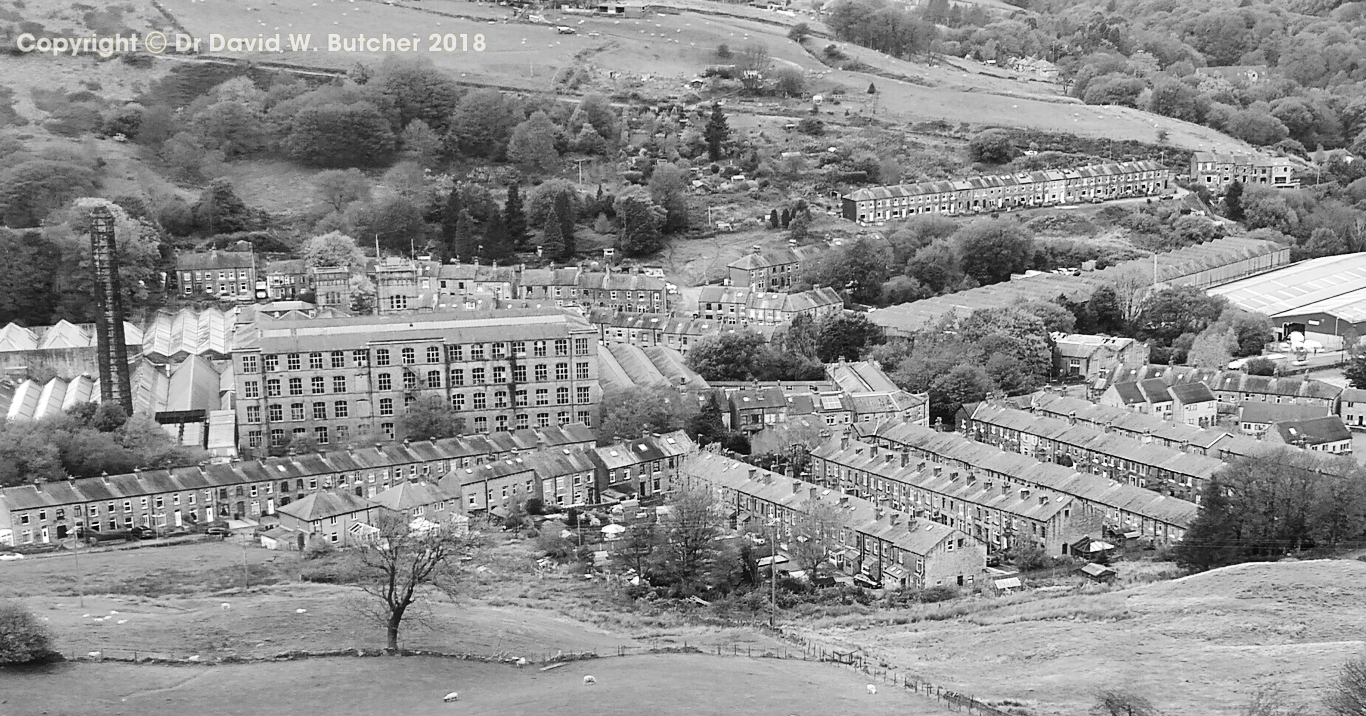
[[80, 576]]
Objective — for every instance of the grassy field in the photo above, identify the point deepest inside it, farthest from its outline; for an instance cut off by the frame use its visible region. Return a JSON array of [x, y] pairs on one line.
[[666, 685], [168, 601], [1197, 645]]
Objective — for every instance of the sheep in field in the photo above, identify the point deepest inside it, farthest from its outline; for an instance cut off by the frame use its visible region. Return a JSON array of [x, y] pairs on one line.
[[872, 689], [588, 680]]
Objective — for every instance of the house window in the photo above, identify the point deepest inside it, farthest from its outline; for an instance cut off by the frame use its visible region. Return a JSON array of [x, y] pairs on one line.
[[253, 413], [272, 387], [320, 434], [249, 364], [581, 394], [381, 356], [480, 401], [386, 406], [409, 356], [542, 373], [562, 347], [477, 351], [296, 411], [320, 411], [251, 389], [319, 385], [275, 413], [338, 384], [455, 353], [457, 401], [293, 362], [561, 396], [361, 357], [519, 374], [315, 361], [457, 376], [384, 381], [581, 371], [296, 386], [433, 354], [338, 359]]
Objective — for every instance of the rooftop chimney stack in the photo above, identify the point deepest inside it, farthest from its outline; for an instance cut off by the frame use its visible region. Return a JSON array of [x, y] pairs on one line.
[[905, 458]]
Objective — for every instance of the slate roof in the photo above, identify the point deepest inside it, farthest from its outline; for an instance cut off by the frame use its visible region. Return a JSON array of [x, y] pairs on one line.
[[323, 504], [1315, 431], [1257, 411]]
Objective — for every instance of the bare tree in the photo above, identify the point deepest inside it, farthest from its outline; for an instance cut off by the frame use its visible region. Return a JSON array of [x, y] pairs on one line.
[[635, 547], [1267, 701], [1347, 694], [689, 550], [754, 56], [1121, 702], [1132, 286], [814, 531], [400, 566]]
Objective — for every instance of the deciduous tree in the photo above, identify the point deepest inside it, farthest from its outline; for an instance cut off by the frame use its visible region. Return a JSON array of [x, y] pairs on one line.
[[532, 145], [430, 418], [339, 187], [400, 568]]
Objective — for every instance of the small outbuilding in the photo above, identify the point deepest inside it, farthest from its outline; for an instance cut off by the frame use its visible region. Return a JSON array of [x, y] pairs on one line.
[[1098, 573]]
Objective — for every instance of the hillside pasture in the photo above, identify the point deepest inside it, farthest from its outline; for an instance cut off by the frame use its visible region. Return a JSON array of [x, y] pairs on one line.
[[664, 685], [1201, 644]]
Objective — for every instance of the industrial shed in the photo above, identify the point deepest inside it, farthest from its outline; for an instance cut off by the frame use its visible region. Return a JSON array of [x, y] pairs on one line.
[[1322, 298]]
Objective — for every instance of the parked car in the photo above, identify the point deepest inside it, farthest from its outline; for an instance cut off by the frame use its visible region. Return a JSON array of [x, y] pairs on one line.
[[94, 537], [217, 531], [866, 582], [11, 557]]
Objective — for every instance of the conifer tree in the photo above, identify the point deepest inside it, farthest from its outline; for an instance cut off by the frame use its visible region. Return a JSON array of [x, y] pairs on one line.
[[450, 219], [552, 241], [716, 133], [565, 213], [497, 244], [514, 218]]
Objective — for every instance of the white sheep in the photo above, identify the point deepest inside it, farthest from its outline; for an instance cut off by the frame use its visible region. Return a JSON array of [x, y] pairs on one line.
[[872, 689], [587, 680], [452, 696], [521, 661], [225, 606]]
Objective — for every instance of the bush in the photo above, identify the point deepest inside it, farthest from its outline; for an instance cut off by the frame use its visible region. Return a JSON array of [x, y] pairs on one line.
[[931, 595], [23, 639]]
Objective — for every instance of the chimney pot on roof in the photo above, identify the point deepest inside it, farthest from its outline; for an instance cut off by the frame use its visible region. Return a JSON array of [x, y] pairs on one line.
[[905, 458], [844, 443], [796, 486], [896, 518], [1043, 499], [1024, 493], [1072, 417], [813, 492], [1005, 487], [891, 456], [872, 451], [753, 472], [938, 470]]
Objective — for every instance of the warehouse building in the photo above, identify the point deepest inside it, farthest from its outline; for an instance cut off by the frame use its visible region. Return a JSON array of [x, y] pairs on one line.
[[1321, 298]]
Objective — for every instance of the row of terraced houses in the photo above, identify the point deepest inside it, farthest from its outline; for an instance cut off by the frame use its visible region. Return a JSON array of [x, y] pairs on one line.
[[486, 473], [888, 546], [1098, 501], [1094, 183]]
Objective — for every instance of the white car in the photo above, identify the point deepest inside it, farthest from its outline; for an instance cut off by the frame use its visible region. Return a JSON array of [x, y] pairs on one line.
[[11, 557]]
